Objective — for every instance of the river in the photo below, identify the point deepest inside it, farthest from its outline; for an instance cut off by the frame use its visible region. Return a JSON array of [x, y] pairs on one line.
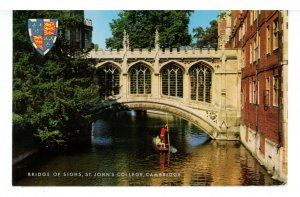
[[122, 154]]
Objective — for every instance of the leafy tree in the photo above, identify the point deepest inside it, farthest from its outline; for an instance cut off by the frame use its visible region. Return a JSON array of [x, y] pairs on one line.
[[52, 94], [222, 14], [141, 26], [207, 38], [96, 47]]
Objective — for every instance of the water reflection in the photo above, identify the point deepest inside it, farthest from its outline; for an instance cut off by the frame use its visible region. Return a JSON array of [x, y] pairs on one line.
[[122, 154]]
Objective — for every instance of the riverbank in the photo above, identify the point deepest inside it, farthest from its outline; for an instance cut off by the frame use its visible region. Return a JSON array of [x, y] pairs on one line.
[[23, 155]]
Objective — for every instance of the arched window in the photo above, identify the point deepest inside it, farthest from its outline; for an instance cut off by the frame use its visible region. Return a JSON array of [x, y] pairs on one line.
[[172, 81], [140, 79], [109, 80], [200, 77]]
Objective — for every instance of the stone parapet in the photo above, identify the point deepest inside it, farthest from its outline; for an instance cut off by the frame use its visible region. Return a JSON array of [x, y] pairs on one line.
[[151, 54]]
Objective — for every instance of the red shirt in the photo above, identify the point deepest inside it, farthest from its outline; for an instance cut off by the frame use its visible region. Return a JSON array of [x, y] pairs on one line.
[[162, 131]]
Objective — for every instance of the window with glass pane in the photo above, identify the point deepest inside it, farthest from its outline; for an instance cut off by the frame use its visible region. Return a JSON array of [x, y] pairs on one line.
[[172, 81], [200, 76], [267, 93], [268, 40], [109, 80], [256, 49], [254, 91], [250, 90], [275, 34], [140, 80]]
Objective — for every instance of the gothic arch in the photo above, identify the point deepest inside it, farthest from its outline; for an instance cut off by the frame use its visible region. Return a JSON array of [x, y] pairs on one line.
[[118, 66], [147, 64], [179, 64], [203, 62]]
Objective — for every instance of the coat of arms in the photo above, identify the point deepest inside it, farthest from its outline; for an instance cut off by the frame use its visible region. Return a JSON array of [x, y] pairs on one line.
[[43, 33]]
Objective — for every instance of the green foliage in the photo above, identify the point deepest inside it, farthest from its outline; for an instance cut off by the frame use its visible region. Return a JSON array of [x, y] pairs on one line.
[[141, 26], [96, 47], [54, 92], [207, 38], [18, 121], [222, 14], [51, 139]]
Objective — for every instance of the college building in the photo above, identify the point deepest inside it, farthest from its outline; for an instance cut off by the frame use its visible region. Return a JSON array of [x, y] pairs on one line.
[[261, 37]]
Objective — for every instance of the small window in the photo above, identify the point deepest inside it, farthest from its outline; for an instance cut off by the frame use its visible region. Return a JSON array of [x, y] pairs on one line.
[[275, 34], [254, 92], [275, 90], [250, 91], [267, 92], [268, 44], [256, 48]]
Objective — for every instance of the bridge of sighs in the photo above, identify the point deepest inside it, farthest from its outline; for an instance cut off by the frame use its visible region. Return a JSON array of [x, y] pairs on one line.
[[199, 85]]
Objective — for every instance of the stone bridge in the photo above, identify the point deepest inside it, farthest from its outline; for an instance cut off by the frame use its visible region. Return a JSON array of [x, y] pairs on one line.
[[200, 85]]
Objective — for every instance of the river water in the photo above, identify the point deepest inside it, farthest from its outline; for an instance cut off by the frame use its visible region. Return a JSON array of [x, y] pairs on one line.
[[122, 154]]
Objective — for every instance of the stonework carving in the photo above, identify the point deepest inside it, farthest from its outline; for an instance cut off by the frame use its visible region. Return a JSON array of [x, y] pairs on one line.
[[212, 115]]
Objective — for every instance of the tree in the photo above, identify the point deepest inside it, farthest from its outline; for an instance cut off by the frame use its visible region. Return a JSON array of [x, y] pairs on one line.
[[207, 38], [52, 94], [96, 47], [222, 14], [141, 27]]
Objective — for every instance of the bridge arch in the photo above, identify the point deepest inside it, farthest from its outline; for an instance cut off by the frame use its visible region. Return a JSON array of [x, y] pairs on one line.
[[198, 120]]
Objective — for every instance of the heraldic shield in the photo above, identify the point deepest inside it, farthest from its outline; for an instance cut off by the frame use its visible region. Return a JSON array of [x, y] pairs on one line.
[[43, 34]]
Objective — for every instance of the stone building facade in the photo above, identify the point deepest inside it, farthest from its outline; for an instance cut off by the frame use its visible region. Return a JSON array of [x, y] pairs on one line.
[[261, 36], [201, 85]]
